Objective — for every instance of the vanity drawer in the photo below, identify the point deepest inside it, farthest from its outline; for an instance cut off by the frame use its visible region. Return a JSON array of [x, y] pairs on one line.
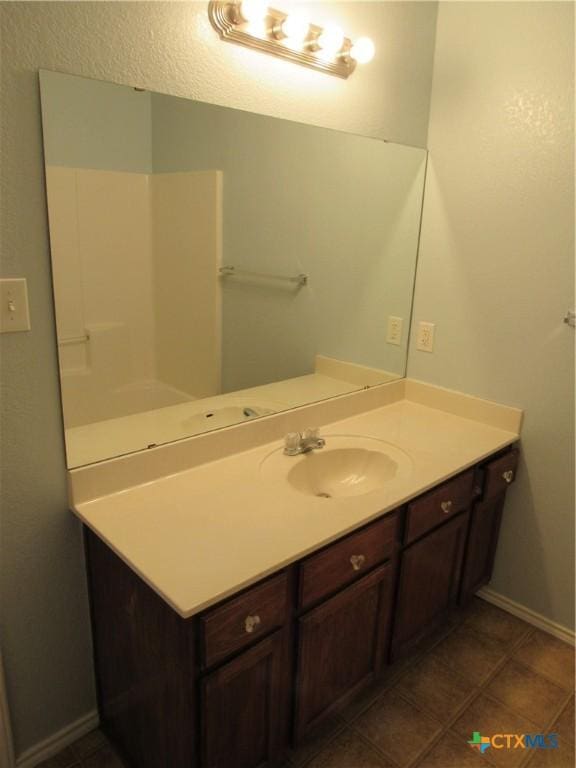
[[439, 505], [243, 619], [348, 559], [499, 474]]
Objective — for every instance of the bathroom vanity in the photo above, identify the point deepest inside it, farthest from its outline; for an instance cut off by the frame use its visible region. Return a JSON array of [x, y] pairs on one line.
[[205, 673], [239, 595]]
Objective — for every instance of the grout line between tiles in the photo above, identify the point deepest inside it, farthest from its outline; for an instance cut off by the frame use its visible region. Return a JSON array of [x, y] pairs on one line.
[[505, 659], [376, 748], [542, 674], [449, 723], [549, 723], [424, 749], [559, 711], [387, 686], [514, 645], [427, 749], [573, 740], [456, 673], [491, 675]]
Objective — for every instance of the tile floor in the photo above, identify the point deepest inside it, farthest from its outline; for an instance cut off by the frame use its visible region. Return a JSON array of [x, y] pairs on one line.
[[485, 671]]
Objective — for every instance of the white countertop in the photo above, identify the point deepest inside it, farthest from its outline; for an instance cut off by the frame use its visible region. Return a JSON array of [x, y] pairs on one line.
[[198, 536]]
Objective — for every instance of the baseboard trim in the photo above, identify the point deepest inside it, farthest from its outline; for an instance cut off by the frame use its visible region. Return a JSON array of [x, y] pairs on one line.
[[529, 616], [58, 741]]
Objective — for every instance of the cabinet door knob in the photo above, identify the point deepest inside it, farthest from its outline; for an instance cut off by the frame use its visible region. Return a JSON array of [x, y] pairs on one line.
[[508, 476], [251, 622], [357, 561], [446, 507]]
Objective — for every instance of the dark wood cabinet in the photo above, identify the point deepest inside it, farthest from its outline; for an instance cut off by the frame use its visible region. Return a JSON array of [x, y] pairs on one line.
[[498, 474], [342, 563], [342, 646], [485, 521], [495, 477], [234, 686], [243, 620], [245, 708], [436, 507], [144, 655], [429, 582]]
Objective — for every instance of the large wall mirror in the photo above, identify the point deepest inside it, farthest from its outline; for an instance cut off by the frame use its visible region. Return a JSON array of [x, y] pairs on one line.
[[212, 266]]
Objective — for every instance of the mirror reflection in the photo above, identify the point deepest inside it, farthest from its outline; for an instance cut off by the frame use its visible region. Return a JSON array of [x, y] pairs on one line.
[[212, 266]]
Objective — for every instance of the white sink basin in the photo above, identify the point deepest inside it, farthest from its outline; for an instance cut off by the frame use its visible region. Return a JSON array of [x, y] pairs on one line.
[[346, 466]]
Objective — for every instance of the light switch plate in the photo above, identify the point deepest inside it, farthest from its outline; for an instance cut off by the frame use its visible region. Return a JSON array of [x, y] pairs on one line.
[[394, 333], [14, 314], [425, 337]]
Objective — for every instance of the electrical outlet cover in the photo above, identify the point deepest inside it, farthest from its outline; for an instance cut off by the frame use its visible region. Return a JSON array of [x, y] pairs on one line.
[[425, 337]]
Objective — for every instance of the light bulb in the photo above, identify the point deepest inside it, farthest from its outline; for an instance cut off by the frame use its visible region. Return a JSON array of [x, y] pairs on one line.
[[253, 10], [363, 50], [331, 40], [295, 27]]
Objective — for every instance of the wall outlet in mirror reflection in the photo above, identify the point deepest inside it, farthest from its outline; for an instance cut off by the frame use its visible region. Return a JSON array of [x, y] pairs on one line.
[[394, 335], [149, 195]]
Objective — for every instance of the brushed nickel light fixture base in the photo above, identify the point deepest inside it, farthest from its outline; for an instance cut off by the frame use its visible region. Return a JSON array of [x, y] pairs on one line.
[[267, 37]]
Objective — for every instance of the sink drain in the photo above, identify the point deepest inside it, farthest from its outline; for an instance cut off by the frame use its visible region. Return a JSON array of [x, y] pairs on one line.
[[323, 495]]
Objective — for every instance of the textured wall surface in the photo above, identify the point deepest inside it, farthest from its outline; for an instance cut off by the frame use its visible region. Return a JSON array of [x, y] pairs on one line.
[[166, 47], [496, 267]]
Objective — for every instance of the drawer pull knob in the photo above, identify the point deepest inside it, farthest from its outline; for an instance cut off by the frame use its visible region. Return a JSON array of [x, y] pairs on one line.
[[508, 476], [446, 507], [251, 622], [357, 561]]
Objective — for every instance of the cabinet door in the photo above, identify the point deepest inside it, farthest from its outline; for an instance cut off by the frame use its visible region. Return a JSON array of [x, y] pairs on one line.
[[245, 708], [342, 646], [481, 547], [429, 580]]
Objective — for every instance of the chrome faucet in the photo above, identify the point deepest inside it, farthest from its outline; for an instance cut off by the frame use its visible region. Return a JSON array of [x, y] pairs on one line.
[[296, 443]]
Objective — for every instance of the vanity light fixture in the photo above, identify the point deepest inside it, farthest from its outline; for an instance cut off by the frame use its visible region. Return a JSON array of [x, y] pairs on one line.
[[294, 27], [330, 40], [363, 50], [290, 36], [254, 11]]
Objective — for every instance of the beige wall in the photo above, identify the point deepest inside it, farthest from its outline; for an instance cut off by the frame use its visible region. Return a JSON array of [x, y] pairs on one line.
[[165, 47], [496, 267], [101, 236], [187, 226], [134, 264]]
